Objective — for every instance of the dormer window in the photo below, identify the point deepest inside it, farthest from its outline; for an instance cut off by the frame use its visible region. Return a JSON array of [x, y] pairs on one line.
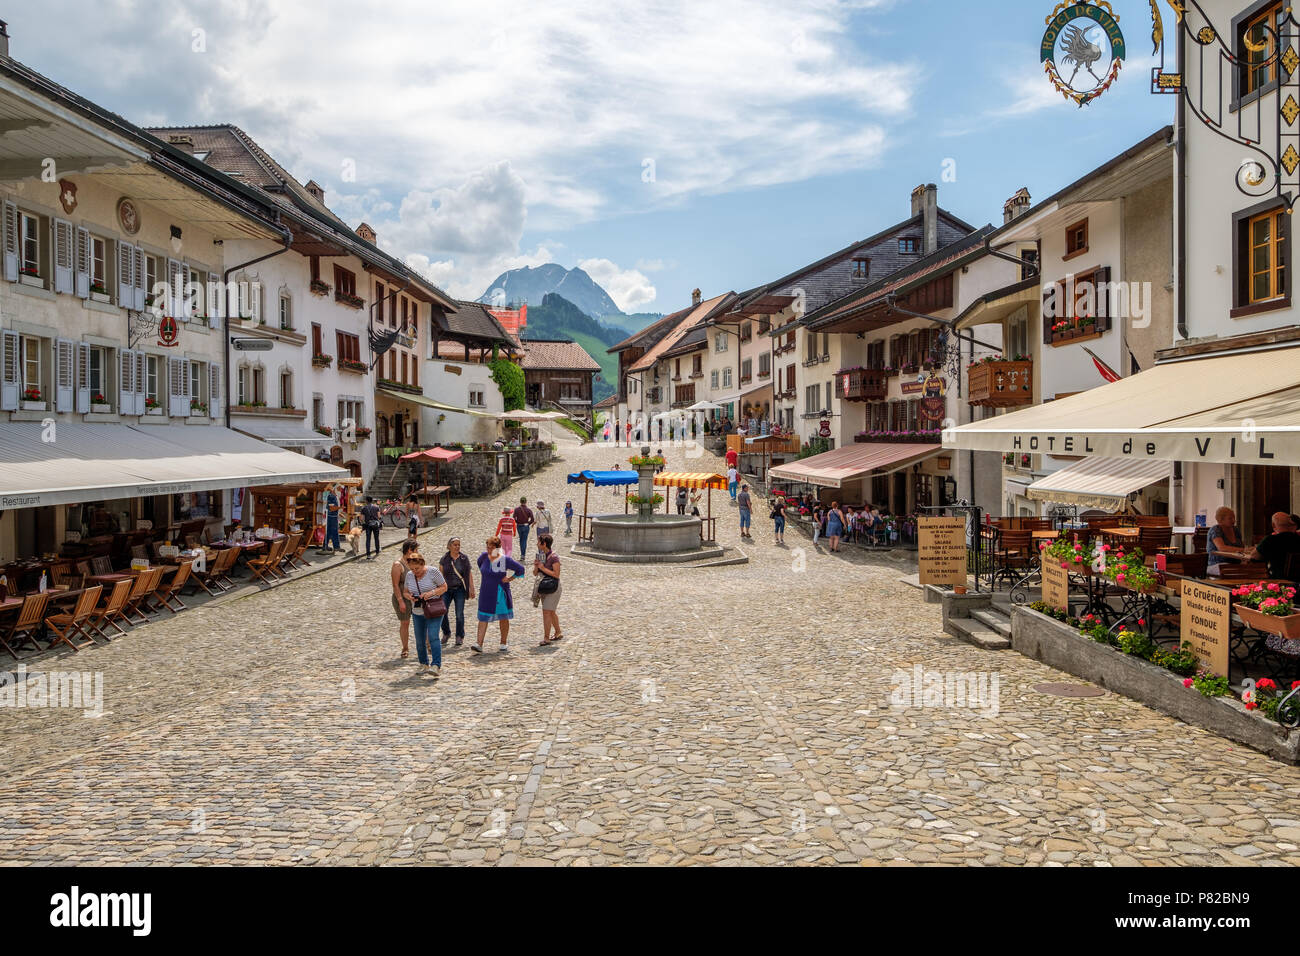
[[862, 267], [909, 247], [1076, 239]]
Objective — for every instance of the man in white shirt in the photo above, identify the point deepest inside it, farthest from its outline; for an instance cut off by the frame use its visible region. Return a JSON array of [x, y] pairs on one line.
[[733, 478]]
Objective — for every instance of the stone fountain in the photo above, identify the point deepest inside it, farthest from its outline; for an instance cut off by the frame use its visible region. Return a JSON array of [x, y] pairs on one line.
[[646, 536]]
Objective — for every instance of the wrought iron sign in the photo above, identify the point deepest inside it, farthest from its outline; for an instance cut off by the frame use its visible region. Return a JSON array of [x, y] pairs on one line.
[[1082, 50], [1215, 91]]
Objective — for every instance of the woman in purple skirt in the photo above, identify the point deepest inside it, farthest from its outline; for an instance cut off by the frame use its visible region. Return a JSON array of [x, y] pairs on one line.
[[494, 600]]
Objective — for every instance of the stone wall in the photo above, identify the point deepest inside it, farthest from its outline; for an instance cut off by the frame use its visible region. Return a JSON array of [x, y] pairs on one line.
[[476, 474]]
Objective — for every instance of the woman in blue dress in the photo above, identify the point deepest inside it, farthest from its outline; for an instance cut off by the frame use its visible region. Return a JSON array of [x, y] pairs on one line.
[[494, 600], [834, 525]]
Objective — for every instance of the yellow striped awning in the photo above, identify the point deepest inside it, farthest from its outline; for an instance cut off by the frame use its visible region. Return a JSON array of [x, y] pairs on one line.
[[684, 479]]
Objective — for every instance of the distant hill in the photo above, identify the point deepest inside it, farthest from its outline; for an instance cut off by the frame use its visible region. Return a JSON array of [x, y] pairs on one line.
[[632, 323], [558, 318], [532, 285]]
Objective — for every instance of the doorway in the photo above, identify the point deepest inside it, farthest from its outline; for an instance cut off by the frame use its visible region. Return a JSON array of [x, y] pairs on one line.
[[1266, 489]]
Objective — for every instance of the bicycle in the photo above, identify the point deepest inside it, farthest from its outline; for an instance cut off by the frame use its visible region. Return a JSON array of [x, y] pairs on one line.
[[399, 514]]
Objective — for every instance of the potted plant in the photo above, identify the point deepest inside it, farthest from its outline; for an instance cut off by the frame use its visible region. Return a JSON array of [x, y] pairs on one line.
[[352, 365], [152, 406], [32, 400], [319, 288], [321, 360], [1130, 571], [350, 300], [325, 430], [198, 407], [1269, 607], [98, 291], [362, 431], [99, 404]]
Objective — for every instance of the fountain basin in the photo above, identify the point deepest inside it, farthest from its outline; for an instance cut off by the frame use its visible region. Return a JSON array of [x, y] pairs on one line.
[[634, 535]]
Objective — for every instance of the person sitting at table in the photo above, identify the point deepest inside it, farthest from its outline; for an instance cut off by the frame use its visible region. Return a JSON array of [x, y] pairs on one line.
[[1222, 538], [1278, 546]]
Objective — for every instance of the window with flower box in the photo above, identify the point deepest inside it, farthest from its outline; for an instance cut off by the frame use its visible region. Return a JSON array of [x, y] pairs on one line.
[[1077, 308]]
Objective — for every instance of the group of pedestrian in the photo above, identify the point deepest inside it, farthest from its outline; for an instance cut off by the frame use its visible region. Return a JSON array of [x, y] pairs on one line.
[[429, 594]]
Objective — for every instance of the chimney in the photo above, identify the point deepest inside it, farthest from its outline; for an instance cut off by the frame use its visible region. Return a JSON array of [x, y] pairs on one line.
[[316, 190], [925, 203], [364, 231], [695, 297], [4, 38], [1016, 206]]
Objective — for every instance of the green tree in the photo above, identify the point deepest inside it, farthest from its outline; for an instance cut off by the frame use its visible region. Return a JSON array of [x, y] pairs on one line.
[[509, 378]]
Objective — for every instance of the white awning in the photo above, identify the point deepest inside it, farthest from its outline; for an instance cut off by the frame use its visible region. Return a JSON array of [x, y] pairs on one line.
[[1098, 482], [288, 434], [850, 462], [1241, 408], [76, 462], [427, 402]]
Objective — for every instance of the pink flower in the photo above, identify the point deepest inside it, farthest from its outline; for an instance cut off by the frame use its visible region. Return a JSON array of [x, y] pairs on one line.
[[1187, 682], [1272, 587], [1119, 577], [1266, 683], [1105, 547], [1123, 567], [1269, 602]]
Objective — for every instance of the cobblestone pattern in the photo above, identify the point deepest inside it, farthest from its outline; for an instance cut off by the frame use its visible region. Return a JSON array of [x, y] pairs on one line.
[[738, 715]]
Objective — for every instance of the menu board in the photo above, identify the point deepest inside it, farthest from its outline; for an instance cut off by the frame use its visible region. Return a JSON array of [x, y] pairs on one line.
[[941, 551], [1206, 617], [1056, 584]]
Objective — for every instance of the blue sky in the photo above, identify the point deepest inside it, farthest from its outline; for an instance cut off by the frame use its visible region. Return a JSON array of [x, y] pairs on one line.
[[481, 136]]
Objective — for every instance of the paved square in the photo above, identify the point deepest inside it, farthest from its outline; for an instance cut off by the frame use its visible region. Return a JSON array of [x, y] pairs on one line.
[[736, 715]]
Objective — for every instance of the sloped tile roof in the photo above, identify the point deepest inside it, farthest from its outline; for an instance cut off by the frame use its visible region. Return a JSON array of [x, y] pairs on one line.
[[552, 354]]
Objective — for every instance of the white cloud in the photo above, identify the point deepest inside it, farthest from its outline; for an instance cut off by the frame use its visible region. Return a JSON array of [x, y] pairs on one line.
[[629, 288]]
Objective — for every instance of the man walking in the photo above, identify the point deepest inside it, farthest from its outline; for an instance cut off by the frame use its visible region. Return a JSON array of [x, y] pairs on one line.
[[370, 522], [743, 500], [543, 519], [524, 521], [733, 477]]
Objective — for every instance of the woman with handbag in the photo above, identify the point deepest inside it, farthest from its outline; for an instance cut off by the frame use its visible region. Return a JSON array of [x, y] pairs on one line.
[[424, 589], [497, 569], [401, 603], [460, 585], [547, 569]]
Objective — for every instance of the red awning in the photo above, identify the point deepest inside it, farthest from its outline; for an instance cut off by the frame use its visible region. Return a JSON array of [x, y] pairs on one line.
[[833, 468], [432, 454]]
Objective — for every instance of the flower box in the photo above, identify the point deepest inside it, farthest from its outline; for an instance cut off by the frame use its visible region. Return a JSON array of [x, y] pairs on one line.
[[31, 406], [319, 288], [154, 411], [1287, 626], [99, 297], [100, 408], [322, 361], [348, 365], [35, 281], [351, 301]]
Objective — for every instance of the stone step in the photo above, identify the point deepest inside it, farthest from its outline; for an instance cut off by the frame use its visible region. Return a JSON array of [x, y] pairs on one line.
[[994, 619], [980, 636]]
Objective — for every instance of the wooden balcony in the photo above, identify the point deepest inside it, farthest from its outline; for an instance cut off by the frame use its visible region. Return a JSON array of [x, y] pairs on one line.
[[1001, 384], [864, 385]]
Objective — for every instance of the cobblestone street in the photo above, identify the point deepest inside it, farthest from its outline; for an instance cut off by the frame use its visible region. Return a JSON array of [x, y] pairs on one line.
[[732, 715]]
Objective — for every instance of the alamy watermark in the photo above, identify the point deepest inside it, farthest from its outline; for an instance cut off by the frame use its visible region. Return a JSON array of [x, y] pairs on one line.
[[921, 688], [44, 689]]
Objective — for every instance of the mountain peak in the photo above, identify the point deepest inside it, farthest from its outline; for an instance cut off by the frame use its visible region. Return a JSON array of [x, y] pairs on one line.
[[533, 284]]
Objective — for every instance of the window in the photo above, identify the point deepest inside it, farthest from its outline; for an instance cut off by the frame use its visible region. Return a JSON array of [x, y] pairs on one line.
[[153, 379], [98, 372], [476, 398], [909, 247], [764, 364], [697, 366], [286, 389], [746, 331], [746, 370], [194, 292], [726, 378], [812, 399], [317, 346], [286, 313], [98, 265], [764, 325], [196, 383], [826, 346], [349, 347], [380, 303], [344, 281], [32, 366], [259, 385], [242, 390], [1265, 257], [713, 379], [1030, 268], [1076, 239], [720, 342], [861, 268], [350, 413], [30, 227], [150, 277], [415, 371], [1256, 36]]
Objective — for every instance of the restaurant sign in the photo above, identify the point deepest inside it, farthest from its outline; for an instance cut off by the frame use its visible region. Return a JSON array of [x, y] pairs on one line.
[[1239, 446], [1056, 584], [941, 551], [1206, 617]]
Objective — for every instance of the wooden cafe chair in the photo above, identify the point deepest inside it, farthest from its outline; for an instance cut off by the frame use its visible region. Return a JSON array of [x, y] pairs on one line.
[[136, 604], [72, 624], [1248, 571], [102, 564], [264, 568], [61, 576], [169, 592], [295, 560], [111, 613], [28, 623], [210, 580], [290, 549]]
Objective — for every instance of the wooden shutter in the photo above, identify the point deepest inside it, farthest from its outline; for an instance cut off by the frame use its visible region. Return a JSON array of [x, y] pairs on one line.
[[216, 303], [316, 348], [175, 304], [63, 258], [65, 354], [82, 264], [126, 382], [9, 368], [125, 274], [141, 383], [1101, 297], [255, 302], [11, 242], [214, 390], [137, 261], [1048, 317], [83, 377], [178, 386]]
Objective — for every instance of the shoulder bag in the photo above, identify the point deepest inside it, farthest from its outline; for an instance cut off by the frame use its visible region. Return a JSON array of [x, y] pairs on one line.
[[432, 607], [548, 584]]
